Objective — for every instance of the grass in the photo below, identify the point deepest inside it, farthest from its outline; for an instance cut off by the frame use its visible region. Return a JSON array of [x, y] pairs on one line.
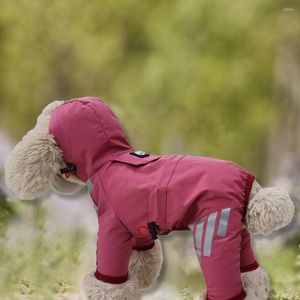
[[44, 267], [39, 266], [283, 264]]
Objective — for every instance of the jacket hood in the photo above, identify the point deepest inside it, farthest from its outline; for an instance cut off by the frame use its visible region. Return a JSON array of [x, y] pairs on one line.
[[88, 133]]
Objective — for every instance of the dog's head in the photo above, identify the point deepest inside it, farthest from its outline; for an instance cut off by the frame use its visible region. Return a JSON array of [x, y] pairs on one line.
[[35, 162]]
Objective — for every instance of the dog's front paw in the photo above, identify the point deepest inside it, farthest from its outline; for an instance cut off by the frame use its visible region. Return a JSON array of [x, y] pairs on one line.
[[98, 290], [145, 265]]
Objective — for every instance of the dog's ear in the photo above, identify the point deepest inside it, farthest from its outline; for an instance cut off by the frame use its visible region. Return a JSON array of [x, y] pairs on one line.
[[34, 163]]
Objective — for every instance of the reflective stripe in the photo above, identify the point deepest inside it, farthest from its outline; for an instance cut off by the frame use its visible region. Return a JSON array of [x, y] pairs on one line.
[[223, 223], [198, 238], [197, 230], [89, 185], [209, 233]]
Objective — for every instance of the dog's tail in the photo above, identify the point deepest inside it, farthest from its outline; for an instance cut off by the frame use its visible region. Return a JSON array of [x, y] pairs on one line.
[[269, 209]]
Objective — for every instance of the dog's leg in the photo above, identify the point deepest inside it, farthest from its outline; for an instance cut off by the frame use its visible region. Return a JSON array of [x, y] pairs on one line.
[[99, 290], [217, 242], [251, 295], [254, 278], [256, 284], [146, 265]]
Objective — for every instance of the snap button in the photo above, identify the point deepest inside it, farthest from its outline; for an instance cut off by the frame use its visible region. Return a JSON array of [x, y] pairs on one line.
[[139, 153]]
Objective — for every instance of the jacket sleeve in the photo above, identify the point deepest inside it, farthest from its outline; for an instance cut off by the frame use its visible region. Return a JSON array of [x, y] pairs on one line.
[[114, 247]]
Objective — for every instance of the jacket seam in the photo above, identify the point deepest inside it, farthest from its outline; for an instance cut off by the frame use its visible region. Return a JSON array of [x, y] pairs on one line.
[[155, 190], [101, 123], [166, 223], [112, 207], [62, 136]]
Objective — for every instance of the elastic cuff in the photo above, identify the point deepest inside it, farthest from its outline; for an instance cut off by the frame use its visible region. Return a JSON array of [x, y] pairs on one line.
[[111, 279], [143, 248], [249, 182], [248, 186], [249, 268], [241, 296]]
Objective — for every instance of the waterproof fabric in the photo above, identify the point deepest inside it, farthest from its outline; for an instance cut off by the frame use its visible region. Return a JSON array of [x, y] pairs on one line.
[[174, 191], [225, 256]]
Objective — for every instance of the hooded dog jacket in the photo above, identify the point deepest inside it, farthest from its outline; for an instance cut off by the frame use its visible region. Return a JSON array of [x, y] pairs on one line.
[[175, 192]]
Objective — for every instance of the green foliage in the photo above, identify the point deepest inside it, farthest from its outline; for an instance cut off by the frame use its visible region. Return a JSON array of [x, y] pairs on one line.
[[24, 285], [284, 268], [41, 264], [185, 294], [282, 264], [7, 212], [189, 76], [60, 285], [185, 76]]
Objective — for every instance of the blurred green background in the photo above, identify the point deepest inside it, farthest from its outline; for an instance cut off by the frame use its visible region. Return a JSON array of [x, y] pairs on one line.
[[198, 77]]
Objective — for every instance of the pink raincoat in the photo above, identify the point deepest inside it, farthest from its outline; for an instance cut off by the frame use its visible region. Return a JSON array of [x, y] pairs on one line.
[[176, 192]]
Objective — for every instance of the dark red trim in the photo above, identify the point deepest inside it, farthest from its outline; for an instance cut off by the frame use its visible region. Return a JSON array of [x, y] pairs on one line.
[[111, 279], [240, 296], [249, 268], [249, 182], [143, 248]]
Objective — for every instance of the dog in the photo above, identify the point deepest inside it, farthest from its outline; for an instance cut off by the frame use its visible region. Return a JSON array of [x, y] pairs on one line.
[[139, 196]]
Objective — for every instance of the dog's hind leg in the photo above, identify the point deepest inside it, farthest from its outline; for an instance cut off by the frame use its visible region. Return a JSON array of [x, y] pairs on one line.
[[217, 241], [254, 278], [257, 283]]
